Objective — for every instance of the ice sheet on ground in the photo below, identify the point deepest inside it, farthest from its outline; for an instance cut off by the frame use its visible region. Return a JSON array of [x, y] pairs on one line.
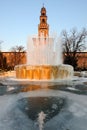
[[72, 117]]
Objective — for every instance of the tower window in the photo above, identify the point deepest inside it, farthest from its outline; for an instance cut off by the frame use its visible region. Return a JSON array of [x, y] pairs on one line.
[[43, 13], [43, 20]]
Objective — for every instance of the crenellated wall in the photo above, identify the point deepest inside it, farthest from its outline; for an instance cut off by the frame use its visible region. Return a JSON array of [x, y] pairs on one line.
[[12, 58]]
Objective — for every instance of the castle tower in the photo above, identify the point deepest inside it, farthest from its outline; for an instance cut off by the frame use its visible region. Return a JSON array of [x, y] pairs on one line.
[[43, 27]]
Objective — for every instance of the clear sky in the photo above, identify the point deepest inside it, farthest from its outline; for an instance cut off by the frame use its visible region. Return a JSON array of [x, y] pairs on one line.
[[20, 18]]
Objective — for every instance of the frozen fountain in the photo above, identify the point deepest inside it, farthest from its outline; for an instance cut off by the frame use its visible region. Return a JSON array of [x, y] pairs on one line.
[[44, 56], [44, 60]]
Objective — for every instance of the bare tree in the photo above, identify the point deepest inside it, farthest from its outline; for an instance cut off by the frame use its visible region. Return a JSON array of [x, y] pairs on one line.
[[17, 56], [73, 43]]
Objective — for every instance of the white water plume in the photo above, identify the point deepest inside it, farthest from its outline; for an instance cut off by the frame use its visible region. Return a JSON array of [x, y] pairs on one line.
[[46, 51]]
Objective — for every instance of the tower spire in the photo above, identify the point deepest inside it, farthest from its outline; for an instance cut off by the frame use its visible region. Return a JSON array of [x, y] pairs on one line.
[[43, 4]]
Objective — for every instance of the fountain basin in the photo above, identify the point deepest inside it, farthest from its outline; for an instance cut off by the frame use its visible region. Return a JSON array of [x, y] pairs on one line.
[[44, 72]]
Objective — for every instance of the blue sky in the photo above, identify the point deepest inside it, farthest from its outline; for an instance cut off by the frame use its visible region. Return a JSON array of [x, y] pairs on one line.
[[20, 18]]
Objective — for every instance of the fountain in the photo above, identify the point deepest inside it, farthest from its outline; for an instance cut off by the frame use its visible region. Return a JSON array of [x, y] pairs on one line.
[[44, 56], [44, 61]]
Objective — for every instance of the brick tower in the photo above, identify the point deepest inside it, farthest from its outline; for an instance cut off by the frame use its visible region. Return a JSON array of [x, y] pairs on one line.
[[43, 27]]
